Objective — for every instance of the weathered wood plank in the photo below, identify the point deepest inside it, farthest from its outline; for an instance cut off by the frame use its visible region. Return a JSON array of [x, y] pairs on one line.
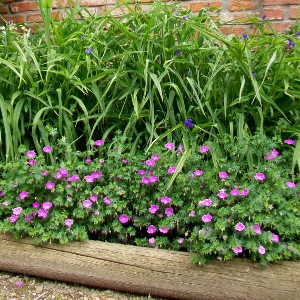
[[161, 273]]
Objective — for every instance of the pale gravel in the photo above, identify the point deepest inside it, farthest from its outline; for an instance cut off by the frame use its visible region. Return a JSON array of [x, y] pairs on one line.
[[33, 288]]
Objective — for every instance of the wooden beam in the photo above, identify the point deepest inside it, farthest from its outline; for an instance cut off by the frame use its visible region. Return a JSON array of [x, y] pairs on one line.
[[161, 273]]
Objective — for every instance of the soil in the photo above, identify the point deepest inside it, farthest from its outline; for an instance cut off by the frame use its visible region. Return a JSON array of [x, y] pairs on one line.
[[21, 287]]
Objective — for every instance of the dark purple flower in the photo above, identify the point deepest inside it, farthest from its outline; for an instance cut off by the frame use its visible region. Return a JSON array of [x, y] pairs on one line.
[[264, 17], [253, 73], [188, 123], [245, 35], [178, 51]]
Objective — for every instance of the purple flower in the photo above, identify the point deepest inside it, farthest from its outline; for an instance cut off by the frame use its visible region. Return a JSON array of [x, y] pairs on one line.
[[42, 213], [82, 36], [291, 184], [261, 250], [155, 156], [205, 202], [222, 194], [207, 218], [124, 161], [35, 205], [165, 200], [68, 222], [17, 210], [180, 150], [245, 35], [172, 170], [239, 227], [123, 219], [223, 175], [50, 185], [178, 51], [145, 180], [106, 200], [153, 209], [188, 123], [1, 194], [47, 149], [164, 230], [87, 204], [257, 228], [289, 142], [23, 195], [253, 74], [13, 219], [192, 214], [153, 179], [234, 192], [150, 162], [69, 199], [237, 250], [32, 162], [169, 211], [94, 198], [198, 172], [63, 172], [98, 143], [47, 205], [260, 176], [19, 283], [275, 238], [88, 160], [96, 175], [30, 154], [264, 17], [204, 149], [5, 203], [291, 248], [88, 50], [152, 241], [151, 229], [169, 146], [45, 173], [180, 241], [89, 179]]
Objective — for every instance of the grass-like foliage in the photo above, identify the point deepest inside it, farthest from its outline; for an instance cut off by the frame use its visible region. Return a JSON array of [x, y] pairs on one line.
[[144, 74], [220, 208]]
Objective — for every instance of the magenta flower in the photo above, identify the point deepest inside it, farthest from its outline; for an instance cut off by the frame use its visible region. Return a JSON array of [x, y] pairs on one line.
[[47, 149], [192, 214], [222, 194], [32, 162], [88, 160], [153, 209], [289, 142], [50, 185], [275, 238], [68, 222], [94, 198], [1, 194], [141, 172], [165, 200], [234, 192], [207, 218], [30, 154], [153, 179], [28, 218], [13, 219], [17, 210], [223, 175], [123, 219], [180, 241], [57, 176], [35, 205], [75, 177], [45, 173], [47, 205], [98, 143], [150, 172], [291, 248], [152, 241], [96, 175], [291, 184], [106, 200], [239, 227], [63, 172], [87, 204], [172, 170], [169, 211], [205, 202], [261, 250], [237, 250], [89, 179], [169, 146], [124, 161], [198, 172], [164, 230], [155, 156], [23, 195], [42, 213], [245, 192], [204, 149], [257, 228], [260, 176], [180, 150], [150, 162], [19, 283], [151, 229], [145, 180], [69, 199]]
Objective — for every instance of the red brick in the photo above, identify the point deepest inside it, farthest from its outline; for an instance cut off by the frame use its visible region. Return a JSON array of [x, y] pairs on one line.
[[5, 1], [236, 30], [279, 2], [197, 6], [238, 17], [117, 11], [240, 5], [274, 13], [37, 18], [23, 6], [97, 2], [3, 9], [294, 12], [15, 18], [279, 26]]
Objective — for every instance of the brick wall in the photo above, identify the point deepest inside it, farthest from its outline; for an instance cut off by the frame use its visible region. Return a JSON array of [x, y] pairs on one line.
[[281, 13]]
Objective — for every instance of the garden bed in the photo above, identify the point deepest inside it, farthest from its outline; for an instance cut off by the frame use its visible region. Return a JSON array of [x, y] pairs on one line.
[[161, 273]]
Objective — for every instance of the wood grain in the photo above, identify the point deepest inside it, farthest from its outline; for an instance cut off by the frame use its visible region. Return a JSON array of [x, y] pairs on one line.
[[161, 273]]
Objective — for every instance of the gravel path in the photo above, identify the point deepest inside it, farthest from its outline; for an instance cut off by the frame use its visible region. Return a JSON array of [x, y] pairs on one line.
[[20, 287]]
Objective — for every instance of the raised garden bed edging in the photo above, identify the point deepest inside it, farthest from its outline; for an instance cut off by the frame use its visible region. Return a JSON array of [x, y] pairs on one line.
[[137, 270]]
